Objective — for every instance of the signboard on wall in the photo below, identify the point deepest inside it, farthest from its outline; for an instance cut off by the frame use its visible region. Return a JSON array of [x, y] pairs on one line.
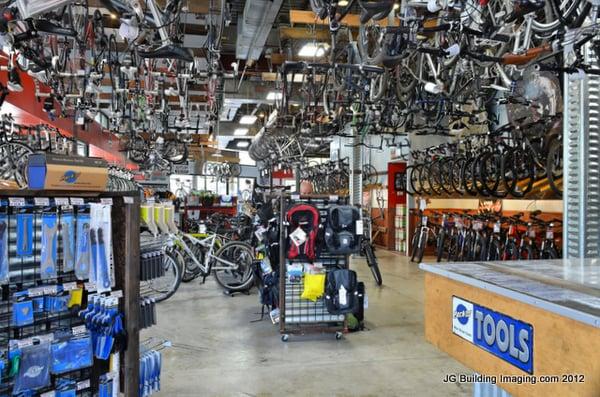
[[400, 182], [490, 206], [507, 338]]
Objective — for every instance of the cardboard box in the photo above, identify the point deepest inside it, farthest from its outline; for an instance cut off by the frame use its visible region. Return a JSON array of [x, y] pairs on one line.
[[55, 172]]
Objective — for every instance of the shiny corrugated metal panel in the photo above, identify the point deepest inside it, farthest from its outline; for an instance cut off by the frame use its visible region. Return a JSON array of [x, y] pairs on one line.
[[355, 172], [581, 161], [488, 390]]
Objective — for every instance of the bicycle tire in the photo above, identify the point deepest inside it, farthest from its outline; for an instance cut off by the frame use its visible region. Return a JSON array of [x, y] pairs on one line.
[[414, 244], [440, 245], [466, 177], [424, 180], [490, 173], [518, 168], [526, 253], [452, 253], [169, 264], [479, 184], [455, 169], [193, 271], [493, 251], [554, 165], [241, 252], [433, 178], [510, 251], [372, 262], [421, 248]]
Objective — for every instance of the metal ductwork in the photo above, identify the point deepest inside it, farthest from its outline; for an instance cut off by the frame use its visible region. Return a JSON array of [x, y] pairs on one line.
[[254, 27]]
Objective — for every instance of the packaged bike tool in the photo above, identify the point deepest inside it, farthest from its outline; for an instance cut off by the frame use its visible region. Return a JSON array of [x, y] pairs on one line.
[[83, 248], [4, 270], [67, 233], [101, 246], [49, 250], [25, 233]]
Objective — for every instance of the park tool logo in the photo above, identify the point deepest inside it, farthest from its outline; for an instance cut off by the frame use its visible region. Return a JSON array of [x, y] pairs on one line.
[[505, 337], [70, 176]]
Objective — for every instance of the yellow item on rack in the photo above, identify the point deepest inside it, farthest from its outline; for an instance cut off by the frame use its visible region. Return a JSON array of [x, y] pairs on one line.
[[75, 298], [314, 286]]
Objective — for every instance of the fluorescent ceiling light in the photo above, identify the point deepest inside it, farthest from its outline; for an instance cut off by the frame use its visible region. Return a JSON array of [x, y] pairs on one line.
[[271, 96], [242, 144], [240, 131], [248, 119], [343, 3], [311, 50], [396, 6]]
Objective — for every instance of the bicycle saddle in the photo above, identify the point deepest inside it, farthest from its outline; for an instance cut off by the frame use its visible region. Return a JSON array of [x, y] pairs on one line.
[[169, 51], [376, 10], [45, 26]]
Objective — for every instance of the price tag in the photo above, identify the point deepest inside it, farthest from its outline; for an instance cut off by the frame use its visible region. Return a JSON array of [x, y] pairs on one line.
[[128, 200], [549, 235], [16, 201], [61, 201], [295, 197], [359, 227], [422, 204], [333, 197], [532, 233], [425, 219], [25, 342], [33, 292], [84, 384], [77, 201], [496, 228], [70, 286], [51, 393], [90, 286], [111, 375], [106, 200], [117, 294], [50, 289], [41, 201], [81, 329]]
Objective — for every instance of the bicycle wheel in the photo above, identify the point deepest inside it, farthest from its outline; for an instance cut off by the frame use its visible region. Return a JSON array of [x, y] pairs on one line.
[[162, 288], [369, 176], [239, 279], [372, 262], [510, 251], [441, 239], [421, 247], [490, 173], [453, 247], [191, 269], [554, 166], [493, 252], [518, 172], [13, 162], [466, 177]]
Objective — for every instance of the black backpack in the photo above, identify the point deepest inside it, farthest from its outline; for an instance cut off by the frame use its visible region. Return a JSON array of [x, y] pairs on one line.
[[340, 233], [336, 303]]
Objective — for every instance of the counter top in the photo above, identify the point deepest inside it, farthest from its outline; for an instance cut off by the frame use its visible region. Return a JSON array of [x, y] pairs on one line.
[[567, 287]]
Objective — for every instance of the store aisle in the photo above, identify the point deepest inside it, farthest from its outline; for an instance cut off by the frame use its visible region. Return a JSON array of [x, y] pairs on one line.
[[217, 351]]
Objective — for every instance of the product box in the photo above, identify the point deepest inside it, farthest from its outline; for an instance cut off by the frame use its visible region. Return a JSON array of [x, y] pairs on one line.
[[56, 172]]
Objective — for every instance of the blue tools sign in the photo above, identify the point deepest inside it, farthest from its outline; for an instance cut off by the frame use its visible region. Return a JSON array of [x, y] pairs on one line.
[[503, 336]]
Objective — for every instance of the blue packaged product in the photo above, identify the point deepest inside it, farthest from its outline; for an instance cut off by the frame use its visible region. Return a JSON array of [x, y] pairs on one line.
[[22, 313], [49, 246], [34, 368], [71, 354], [24, 234]]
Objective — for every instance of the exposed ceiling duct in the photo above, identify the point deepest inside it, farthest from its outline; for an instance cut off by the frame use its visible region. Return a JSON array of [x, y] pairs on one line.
[[254, 27]]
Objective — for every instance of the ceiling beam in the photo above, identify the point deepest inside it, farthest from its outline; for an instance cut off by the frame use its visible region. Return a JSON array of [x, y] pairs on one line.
[[301, 33], [302, 17]]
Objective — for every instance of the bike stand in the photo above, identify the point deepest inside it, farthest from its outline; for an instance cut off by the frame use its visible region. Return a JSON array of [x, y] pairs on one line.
[[262, 314], [233, 293]]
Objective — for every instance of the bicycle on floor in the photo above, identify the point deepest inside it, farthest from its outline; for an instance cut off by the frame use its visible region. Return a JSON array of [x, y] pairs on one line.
[[367, 249], [231, 264]]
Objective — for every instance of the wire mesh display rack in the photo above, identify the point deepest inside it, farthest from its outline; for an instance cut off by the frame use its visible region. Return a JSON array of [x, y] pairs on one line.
[[300, 316], [25, 277]]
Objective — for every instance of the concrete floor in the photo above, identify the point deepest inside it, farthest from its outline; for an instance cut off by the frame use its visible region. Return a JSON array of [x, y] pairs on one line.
[[217, 351]]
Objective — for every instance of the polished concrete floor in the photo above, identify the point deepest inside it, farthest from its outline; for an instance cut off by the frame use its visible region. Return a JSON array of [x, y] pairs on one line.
[[218, 351]]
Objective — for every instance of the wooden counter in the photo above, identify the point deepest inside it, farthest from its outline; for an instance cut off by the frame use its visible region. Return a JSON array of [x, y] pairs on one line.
[[560, 300]]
